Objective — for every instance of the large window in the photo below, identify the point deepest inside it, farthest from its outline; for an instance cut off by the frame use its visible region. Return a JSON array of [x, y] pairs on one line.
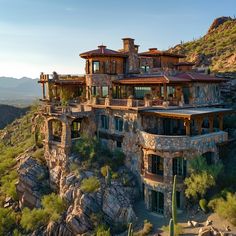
[[139, 92], [96, 66], [157, 202], [118, 124], [179, 166], [95, 90], [104, 122], [156, 163], [104, 91]]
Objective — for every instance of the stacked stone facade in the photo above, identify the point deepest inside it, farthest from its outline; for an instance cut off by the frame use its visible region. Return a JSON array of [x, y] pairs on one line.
[[156, 145]]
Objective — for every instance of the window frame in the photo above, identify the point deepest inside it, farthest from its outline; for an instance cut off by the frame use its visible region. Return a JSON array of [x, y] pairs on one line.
[[93, 67], [105, 122], [119, 124]]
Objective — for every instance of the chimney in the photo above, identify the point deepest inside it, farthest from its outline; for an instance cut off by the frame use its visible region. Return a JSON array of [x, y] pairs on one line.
[[102, 48], [128, 44], [152, 49]]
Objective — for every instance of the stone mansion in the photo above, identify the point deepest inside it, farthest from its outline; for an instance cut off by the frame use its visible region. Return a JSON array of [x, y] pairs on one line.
[[152, 105]]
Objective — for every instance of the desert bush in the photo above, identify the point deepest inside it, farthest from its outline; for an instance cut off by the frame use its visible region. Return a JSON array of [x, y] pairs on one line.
[[7, 221], [102, 230], [104, 170], [203, 205], [202, 177], [52, 208], [115, 175], [146, 230], [8, 183], [198, 184], [225, 208], [90, 184]]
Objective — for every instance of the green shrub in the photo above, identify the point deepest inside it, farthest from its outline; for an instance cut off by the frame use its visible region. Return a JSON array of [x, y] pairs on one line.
[[7, 221], [225, 208], [90, 184], [146, 230], [118, 159], [104, 170], [115, 175], [198, 184], [52, 207], [32, 219], [203, 205], [102, 230]]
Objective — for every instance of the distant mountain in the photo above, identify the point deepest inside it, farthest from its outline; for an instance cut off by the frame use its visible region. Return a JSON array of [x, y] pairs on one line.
[[216, 49], [14, 91], [9, 114]]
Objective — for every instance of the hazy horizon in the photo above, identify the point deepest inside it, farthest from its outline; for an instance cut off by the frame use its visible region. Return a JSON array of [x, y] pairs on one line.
[[47, 36]]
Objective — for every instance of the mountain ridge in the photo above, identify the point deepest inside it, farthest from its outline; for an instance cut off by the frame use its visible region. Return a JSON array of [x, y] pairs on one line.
[[216, 49]]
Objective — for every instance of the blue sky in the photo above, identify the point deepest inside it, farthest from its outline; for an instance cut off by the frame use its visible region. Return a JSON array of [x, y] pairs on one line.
[[49, 35]]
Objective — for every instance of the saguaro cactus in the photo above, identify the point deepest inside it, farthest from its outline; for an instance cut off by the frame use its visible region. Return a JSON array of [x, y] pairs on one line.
[[174, 209], [130, 230], [171, 228]]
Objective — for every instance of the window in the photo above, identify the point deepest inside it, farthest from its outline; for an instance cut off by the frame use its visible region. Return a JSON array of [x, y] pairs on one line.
[[104, 122], [113, 67], [145, 68], [156, 165], [197, 91], [179, 166], [157, 201], [75, 128], [104, 91], [96, 66], [118, 124], [95, 90], [178, 199], [171, 91], [118, 144], [139, 92]]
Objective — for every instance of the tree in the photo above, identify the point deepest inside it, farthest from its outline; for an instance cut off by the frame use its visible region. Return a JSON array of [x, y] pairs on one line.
[[202, 177]]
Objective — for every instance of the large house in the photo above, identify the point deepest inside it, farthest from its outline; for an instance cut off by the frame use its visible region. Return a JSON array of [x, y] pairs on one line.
[[152, 105]]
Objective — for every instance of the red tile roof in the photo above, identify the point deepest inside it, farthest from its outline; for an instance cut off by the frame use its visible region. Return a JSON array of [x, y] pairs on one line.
[[102, 51], [159, 79], [156, 52]]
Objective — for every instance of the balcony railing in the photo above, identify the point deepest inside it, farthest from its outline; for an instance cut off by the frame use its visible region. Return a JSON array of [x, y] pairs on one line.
[[180, 143]]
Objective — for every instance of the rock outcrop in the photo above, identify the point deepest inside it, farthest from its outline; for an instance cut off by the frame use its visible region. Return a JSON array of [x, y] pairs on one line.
[[33, 181]]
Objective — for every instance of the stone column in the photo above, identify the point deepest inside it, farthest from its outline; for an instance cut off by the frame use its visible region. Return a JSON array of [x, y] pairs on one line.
[[165, 91], [211, 123], [220, 118], [187, 126], [199, 124], [168, 170]]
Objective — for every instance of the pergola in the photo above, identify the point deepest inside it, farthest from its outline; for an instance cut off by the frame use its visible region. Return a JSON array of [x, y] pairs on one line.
[[197, 114]]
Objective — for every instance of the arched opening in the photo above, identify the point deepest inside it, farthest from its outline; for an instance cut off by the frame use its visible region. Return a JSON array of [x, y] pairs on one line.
[[76, 128], [55, 130]]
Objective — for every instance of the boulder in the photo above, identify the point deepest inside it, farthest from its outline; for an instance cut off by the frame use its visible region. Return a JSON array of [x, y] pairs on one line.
[[32, 180]]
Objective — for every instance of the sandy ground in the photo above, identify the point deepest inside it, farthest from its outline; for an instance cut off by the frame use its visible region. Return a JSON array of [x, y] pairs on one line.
[[183, 218]]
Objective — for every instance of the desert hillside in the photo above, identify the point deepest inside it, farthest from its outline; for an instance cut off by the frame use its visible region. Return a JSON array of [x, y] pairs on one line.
[[216, 49]]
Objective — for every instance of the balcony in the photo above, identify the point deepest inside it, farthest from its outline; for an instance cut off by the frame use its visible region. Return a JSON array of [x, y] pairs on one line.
[[77, 110], [180, 143]]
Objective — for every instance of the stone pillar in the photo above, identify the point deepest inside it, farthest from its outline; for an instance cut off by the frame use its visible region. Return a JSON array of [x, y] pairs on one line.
[[130, 101], [199, 125], [107, 101], [168, 201], [211, 124], [220, 118], [187, 126], [168, 170], [165, 91], [66, 134]]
